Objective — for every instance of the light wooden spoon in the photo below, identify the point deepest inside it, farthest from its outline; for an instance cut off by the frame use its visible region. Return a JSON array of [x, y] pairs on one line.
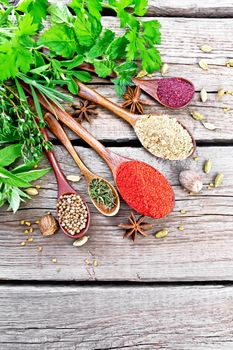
[[59, 132], [133, 120]]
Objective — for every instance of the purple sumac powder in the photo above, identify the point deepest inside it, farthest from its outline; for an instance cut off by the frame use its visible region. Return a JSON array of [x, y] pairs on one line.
[[175, 92]]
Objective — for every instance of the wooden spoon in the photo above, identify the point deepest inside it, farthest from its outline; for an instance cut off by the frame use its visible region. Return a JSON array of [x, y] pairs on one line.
[[64, 188], [150, 86], [132, 119], [113, 160], [59, 132]]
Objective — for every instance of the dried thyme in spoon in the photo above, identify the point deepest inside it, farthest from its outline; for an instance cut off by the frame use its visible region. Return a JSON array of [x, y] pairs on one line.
[[102, 193]]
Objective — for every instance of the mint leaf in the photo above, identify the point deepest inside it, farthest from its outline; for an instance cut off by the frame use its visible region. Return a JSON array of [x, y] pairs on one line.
[[10, 179], [32, 175], [72, 86], [60, 39], [9, 154], [14, 200], [60, 14], [117, 48], [94, 7], [75, 62], [85, 77]]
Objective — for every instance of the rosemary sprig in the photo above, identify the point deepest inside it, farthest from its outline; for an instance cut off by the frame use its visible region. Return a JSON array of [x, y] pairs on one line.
[[101, 192]]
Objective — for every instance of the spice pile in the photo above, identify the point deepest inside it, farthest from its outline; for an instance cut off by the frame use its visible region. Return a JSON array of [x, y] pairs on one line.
[[72, 213], [102, 193], [145, 189], [164, 137], [175, 92]]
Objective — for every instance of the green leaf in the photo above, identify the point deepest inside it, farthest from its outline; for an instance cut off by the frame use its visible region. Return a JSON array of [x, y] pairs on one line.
[[26, 26], [36, 102], [127, 68], [82, 76], [36, 8], [103, 68], [24, 167], [117, 48], [40, 69], [72, 63], [14, 200], [87, 29], [9, 154], [10, 179], [94, 7], [101, 45], [6, 2], [60, 39], [72, 87], [151, 60], [60, 14], [20, 90], [32, 175], [140, 7], [152, 31]]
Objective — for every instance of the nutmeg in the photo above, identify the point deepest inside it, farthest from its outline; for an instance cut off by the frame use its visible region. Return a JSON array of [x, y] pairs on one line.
[[48, 225], [191, 181]]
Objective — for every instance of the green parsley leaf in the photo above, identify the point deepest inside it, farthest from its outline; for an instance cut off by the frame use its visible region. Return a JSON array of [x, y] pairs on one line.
[[36, 8], [103, 67], [101, 45], [60, 39], [152, 31], [140, 7], [60, 14], [26, 26], [87, 29]]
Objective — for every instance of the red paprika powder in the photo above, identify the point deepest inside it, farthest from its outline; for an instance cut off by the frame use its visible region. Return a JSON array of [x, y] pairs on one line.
[[144, 189]]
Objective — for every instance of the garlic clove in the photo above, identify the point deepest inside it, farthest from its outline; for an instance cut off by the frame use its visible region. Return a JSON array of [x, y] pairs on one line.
[[191, 180]]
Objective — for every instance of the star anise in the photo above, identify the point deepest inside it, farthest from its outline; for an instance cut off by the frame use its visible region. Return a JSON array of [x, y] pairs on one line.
[[135, 226], [84, 111], [132, 97]]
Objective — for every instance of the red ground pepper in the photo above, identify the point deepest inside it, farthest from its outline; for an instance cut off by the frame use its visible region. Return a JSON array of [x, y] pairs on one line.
[[145, 189], [175, 92]]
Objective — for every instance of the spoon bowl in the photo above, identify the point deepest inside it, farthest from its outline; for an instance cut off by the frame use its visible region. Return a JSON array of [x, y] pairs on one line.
[[61, 135], [152, 86], [64, 188]]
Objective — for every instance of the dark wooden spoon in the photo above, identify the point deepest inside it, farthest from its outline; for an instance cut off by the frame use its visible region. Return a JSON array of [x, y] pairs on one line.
[[64, 188]]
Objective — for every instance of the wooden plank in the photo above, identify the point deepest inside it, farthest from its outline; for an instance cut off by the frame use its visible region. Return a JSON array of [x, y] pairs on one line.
[[92, 318], [186, 8], [200, 252], [108, 127]]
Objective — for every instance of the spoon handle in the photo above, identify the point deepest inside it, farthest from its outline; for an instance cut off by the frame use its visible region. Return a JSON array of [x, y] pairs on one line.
[[92, 95], [61, 135], [63, 185]]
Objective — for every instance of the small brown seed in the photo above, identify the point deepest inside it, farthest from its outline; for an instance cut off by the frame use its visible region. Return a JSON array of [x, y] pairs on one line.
[[22, 244], [197, 116], [183, 211], [95, 263], [230, 63], [220, 94], [181, 228], [142, 73], [22, 222]]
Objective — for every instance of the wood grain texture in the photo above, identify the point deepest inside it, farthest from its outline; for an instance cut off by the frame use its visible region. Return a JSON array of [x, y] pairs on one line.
[[201, 252], [106, 318], [109, 127]]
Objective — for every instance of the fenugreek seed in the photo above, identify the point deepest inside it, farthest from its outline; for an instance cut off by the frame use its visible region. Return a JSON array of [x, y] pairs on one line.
[[54, 260], [22, 244], [204, 95], [40, 249], [81, 241], [230, 63], [73, 178], [31, 191], [220, 94], [142, 73], [218, 180], [22, 222], [197, 116], [203, 64], [181, 228], [229, 92], [196, 159], [206, 48], [207, 166], [27, 223], [37, 222], [26, 232], [30, 240], [164, 68], [226, 109], [182, 211], [58, 270], [95, 263], [35, 166], [31, 230], [209, 126], [161, 234], [38, 186]]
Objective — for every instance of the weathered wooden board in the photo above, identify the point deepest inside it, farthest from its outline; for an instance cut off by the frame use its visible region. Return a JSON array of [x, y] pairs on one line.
[[186, 8], [109, 127], [94, 318], [201, 252]]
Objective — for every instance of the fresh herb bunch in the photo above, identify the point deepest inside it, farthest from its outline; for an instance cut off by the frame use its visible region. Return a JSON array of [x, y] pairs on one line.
[[12, 179], [102, 193]]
